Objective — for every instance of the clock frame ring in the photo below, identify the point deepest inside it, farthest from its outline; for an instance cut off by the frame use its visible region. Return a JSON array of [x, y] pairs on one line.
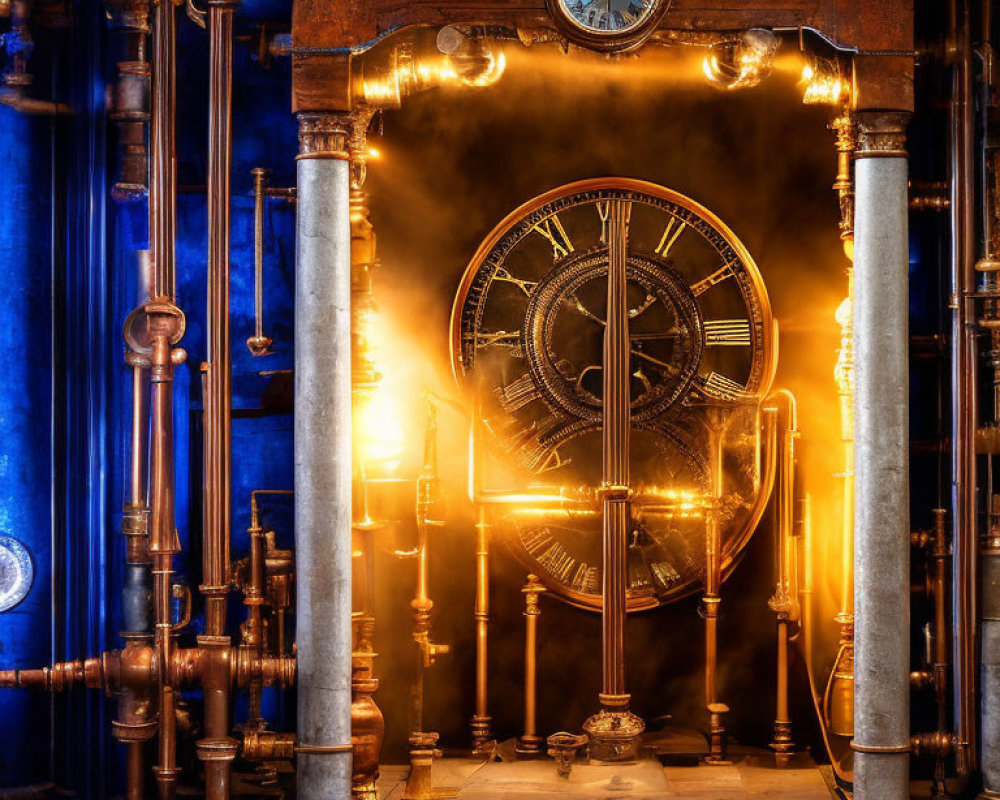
[[607, 41], [472, 298]]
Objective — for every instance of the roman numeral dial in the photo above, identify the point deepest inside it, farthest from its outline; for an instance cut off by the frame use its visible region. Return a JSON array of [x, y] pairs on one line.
[[692, 333]]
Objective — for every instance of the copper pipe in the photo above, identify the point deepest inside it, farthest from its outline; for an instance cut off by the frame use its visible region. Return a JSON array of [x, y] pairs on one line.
[[422, 605], [712, 572], [162, 183], [164, 543], [785, 600], [529, 744], [940, 556], [717, 422], [135, 774], [259, 344], [481, 721], [615, 461], [219, 481], [481, 724], [964, 413], [217, 749]]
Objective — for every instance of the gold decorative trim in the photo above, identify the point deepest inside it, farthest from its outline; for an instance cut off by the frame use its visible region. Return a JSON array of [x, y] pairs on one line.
[[324, 136], [882, 135]]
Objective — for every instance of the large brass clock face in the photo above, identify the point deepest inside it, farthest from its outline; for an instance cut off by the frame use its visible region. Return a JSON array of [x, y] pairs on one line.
[[527, 337]]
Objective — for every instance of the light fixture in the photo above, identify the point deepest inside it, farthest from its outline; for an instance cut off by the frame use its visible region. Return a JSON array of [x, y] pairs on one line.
[[742, 61]]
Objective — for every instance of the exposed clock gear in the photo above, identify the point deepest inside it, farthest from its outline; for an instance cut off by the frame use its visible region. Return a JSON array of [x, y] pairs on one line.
[[528, 336]]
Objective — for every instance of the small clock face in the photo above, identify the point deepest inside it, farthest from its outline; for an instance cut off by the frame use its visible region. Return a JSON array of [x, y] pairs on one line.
[[608, 16], [528, 331]]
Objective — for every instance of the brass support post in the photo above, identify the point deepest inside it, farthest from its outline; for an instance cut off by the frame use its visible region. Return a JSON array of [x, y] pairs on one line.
[[482, 735], [785, 601], [717, 421], [614, 730], [529, 745], [423, 751]]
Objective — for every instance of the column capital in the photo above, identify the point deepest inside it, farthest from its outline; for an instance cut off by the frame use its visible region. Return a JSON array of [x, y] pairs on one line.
[[324, 135], [882, 134]]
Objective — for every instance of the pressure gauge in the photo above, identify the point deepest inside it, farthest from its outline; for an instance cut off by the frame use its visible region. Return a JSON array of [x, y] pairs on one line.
[[608, 25], [16, 572]]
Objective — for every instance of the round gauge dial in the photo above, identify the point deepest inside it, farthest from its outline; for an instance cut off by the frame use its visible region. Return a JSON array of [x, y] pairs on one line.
[[527, 338], [16, 572], [608, 16]]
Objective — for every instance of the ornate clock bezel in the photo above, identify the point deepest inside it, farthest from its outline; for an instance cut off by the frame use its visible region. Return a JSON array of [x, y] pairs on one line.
[[606, 41], [738, 537]]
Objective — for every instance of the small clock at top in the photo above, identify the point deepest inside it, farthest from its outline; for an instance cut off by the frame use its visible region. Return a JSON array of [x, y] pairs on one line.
[[608, 16]]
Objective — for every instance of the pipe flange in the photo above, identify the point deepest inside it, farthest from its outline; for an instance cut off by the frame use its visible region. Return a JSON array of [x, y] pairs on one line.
[[221, 749], [881, 749]]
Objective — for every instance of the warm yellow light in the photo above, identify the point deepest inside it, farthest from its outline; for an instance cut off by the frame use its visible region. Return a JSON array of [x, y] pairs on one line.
[[822, 83], [374, 154], [379, 430], [849, 248]]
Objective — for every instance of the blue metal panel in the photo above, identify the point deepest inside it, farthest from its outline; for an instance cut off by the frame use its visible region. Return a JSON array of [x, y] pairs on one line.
[[25, 422]]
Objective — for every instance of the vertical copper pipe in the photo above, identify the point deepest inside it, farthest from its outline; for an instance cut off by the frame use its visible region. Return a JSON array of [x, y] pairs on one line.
[[137, 482], [135, 774], [214, 749], [164, 544], [712, 565], [963, 390], [259, 344], [785, 600], [162, 189], [616, 415], [218, 482]]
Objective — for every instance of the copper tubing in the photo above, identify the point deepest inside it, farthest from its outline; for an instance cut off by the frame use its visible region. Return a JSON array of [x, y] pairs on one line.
[[164, 543], [616, 422], [422, 605], [135, 774], [217, 749], [140, 422], [259, 344], [162, 183], [940, 557], [218, 448], [713, 565], [785, 600], [481, 732], [964, 371]]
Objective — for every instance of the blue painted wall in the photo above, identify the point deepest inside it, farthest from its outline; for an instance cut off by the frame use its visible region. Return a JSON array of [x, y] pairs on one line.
[[25, 422]]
